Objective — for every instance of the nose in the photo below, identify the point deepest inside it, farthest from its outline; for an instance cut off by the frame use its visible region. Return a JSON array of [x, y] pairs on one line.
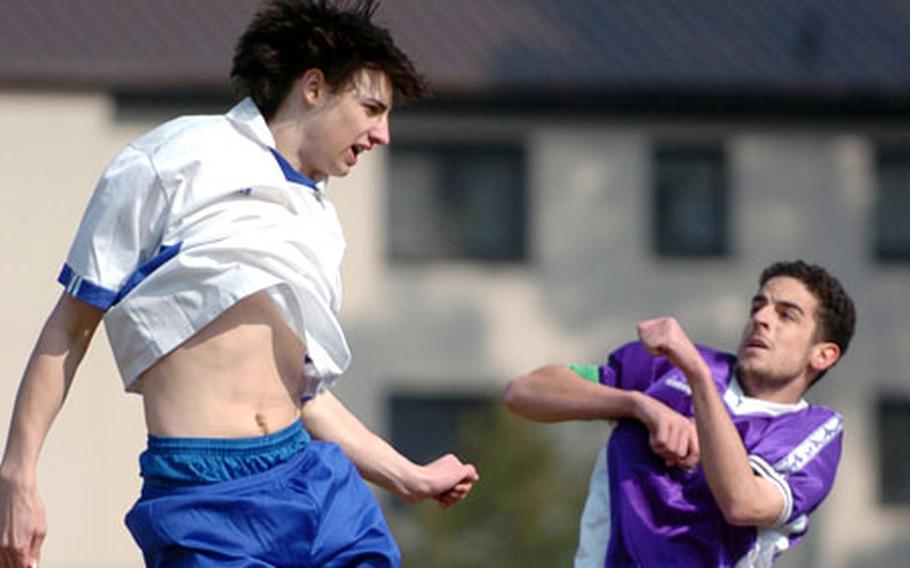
[[761, 316], [379, 134]]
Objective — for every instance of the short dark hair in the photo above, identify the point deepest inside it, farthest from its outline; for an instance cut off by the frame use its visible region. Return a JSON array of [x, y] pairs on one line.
[[288, 37], [836, 316]]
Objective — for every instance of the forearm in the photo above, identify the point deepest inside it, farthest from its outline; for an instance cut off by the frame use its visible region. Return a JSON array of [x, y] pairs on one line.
[[744, 498], [377, 461], [555, 393], [40, 397], [45, 383]]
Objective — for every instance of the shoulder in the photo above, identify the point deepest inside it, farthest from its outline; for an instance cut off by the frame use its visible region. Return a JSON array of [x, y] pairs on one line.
[[180, 130], [811, 432], [722, 364], [633, 359], [206, 149], [212, 138], [635, 353]]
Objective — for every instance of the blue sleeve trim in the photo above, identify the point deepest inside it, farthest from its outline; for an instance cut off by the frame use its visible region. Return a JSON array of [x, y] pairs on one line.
[[93, 294], [82, 289], [165, 253]]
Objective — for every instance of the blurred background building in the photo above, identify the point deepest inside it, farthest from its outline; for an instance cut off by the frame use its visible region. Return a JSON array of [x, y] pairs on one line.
[[583, 165]]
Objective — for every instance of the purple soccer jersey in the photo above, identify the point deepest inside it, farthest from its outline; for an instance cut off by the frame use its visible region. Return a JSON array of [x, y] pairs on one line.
[[660, 516]]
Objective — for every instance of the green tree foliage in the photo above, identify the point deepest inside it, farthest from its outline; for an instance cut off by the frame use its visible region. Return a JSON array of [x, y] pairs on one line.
[[524, 512]]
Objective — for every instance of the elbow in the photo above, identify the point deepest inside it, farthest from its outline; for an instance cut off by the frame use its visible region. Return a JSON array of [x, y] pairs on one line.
[[736, 518], [512, 396], [740, 512], [520, 397]]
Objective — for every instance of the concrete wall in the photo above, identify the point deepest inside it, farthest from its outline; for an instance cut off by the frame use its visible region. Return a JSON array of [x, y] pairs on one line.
[[798, 191]]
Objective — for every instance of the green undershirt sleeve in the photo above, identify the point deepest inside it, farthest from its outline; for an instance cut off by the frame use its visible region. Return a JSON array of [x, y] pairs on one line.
[[587, 372]]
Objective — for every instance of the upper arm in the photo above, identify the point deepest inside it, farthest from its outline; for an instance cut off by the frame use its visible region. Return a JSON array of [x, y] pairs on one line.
[[70, 325], [810, 467], [766, 506], [326, 418], [804, 476]]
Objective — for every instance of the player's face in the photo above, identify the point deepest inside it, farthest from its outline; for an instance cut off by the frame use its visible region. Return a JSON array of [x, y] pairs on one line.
[[779, 338], [348, 122]]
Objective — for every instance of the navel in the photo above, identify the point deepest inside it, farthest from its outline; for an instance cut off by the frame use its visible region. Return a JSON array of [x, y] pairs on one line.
[[262, 423]]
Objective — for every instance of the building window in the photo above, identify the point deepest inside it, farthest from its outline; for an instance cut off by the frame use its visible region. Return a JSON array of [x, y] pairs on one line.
[[457, 201], [894, 453], [890, 226], [690, 198], [426, 426]]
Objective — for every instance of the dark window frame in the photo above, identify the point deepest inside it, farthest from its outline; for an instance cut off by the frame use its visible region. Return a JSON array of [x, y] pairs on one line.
[[888, 156], [440, 407], [712, 155], [892, 417], [448, 156]]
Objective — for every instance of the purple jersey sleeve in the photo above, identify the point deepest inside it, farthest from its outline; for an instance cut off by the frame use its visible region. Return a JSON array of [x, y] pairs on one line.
[[631, 367], [801, 457]]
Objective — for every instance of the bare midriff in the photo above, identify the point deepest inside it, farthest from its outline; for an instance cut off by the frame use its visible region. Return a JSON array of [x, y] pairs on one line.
[[238, 377]]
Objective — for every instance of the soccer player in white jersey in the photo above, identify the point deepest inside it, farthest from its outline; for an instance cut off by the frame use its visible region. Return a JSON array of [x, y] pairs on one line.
[[715, 459], [212, 253]]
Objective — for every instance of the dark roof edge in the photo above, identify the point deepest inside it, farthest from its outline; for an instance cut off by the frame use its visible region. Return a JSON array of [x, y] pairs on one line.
[[825, 104], [821, 104]]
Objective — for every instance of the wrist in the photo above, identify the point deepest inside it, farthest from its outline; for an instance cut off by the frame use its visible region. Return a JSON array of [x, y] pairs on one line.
[[698, 371], [412, 483], [13, 474], [638, 405]]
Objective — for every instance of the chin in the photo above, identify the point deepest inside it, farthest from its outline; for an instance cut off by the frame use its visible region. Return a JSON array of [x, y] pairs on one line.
[[749, 369]]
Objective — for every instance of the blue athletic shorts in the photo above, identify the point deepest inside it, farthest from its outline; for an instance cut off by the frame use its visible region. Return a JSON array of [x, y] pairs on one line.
[[311, 510]]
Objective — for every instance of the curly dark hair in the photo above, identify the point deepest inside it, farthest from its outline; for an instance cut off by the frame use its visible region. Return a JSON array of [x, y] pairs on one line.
[[836, 313], [288, 37]]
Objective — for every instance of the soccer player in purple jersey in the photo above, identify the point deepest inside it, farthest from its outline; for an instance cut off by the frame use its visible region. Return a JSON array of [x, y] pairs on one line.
[[715, 459]]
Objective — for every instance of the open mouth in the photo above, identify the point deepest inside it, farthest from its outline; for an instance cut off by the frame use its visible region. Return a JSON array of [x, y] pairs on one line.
[[353, 152], [757, 343]]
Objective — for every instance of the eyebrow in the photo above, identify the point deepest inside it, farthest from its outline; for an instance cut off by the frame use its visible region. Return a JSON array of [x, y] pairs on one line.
[[785, 303], [383, 106]]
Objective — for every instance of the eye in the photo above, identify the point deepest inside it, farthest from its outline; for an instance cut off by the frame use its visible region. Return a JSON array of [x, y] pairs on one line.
[[373, 109]]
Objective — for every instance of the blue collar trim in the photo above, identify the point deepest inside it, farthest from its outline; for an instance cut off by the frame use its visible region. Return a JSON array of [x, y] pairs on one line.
[[291, 174]]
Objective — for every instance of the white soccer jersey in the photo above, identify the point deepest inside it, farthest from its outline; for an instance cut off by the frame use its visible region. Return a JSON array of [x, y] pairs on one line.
[[194, 216]]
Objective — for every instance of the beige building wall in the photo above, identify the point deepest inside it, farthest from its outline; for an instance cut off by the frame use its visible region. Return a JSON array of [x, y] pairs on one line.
[[54, 148], [461, 327]]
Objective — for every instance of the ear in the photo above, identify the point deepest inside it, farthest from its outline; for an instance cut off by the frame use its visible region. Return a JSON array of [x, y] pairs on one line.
[[823, 356], [312, 86]]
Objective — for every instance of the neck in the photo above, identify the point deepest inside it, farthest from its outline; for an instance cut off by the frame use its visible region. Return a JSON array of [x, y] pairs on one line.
[[288, 130], [286, 141], [788, 391]]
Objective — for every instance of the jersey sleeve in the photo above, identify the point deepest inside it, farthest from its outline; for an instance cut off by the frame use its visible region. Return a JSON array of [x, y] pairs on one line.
[[631, 367], [119, 230], [805, 474]]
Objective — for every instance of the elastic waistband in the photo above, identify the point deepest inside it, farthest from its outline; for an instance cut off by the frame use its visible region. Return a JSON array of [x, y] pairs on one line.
[[230, 446], [177, 462]]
